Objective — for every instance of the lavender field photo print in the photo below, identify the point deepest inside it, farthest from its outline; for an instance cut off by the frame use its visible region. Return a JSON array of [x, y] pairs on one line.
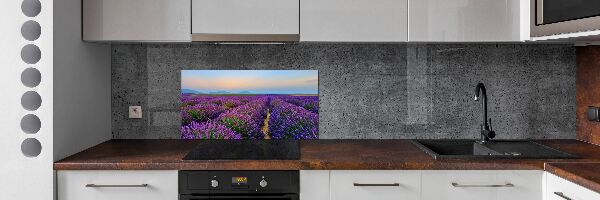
[[249, 104]]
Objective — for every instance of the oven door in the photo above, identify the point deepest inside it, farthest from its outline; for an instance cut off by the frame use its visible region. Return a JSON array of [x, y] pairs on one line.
[[244, 197], [552, 17]]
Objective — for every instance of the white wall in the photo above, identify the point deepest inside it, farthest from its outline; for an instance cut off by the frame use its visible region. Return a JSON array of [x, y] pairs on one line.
[[24, 177], [82, 89], [82, 75]]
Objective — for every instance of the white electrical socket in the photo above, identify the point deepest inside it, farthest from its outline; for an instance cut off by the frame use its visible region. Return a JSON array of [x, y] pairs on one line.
[[135, 112]]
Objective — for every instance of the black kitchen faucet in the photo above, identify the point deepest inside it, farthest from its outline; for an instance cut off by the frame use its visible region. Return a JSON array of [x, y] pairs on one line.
[[486, 129]]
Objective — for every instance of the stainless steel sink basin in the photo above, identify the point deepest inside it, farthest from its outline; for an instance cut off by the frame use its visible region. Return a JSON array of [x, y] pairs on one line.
[[471, 149]]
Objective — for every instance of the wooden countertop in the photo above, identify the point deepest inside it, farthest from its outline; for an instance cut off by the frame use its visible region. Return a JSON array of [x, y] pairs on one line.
[[584, 174], [315, 154], [331, 155]]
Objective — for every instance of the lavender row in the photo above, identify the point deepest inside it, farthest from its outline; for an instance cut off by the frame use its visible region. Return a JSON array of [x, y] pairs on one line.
[[242, 117], [200, 113], [208, 130], [246, 119], [242, 122], [310, 103], [227, 102], [288, 121], [198, 98], [203, 108]]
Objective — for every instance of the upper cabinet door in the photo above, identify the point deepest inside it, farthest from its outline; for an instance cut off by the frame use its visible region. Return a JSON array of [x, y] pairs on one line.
[[468, 20], [136, 20], [245, 20], [354, 20]]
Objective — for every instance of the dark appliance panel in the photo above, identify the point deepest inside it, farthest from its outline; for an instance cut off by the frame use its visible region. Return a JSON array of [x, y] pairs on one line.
[[193, 182], [554, 11], [273, 181], [563, 17], [248, 197], [230, 185]]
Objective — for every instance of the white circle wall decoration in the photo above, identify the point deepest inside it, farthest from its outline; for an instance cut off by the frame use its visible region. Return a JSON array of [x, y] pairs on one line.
[[30, 124], [31, 147], [31, 77], [31, 54], [31, 8], [31, 30], [31, 100]]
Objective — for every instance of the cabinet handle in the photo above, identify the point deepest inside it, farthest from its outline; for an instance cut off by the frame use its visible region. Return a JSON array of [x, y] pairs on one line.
[[561, 195], [491, 185], [376, 185], [114, 186]]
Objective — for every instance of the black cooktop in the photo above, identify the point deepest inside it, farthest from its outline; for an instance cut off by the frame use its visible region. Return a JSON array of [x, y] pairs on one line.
[[245, 150]]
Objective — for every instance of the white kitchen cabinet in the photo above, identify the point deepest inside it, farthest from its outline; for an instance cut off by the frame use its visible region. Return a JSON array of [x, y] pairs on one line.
[[468, 20], [482, 185], [354, 21], [375, 184], [117, 185], [314, 185], [560, 189], [136, 20], [245, 20]]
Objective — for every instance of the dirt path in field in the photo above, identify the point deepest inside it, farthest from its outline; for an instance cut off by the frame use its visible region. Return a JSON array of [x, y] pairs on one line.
[[265, 128]]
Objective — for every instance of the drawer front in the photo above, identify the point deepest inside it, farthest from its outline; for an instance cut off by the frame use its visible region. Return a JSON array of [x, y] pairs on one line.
[[482, 185], [560, 189], [117, 185], [377, 185]]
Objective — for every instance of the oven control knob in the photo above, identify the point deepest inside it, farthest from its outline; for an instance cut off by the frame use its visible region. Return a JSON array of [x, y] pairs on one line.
[[263, 183], [214, 183]]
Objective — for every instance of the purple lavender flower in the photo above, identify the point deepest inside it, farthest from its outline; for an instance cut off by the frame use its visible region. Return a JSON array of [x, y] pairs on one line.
[[200, 113], [247, 119], [310, 103], [207, 130], [289, 121], [243, 117]]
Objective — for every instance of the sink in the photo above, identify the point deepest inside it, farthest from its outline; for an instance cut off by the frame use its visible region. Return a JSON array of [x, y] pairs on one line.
[[471, 149], [452, 147]]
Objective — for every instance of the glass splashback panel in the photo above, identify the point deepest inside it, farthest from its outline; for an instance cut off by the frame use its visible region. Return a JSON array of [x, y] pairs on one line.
[[249, 104]]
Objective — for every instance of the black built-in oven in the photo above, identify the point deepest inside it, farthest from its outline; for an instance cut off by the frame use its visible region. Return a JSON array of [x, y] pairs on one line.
[[551, 17], [234, 185]]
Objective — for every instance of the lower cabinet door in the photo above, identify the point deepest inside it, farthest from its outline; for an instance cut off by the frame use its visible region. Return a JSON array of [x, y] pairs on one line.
[[482, 185], [560, 189], [117, 185], [375, 185]]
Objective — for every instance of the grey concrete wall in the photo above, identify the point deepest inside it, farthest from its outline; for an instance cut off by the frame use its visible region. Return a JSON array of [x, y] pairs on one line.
[[369, 90]]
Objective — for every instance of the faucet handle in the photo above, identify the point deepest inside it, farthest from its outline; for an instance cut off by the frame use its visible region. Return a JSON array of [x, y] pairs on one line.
[[491, 133]]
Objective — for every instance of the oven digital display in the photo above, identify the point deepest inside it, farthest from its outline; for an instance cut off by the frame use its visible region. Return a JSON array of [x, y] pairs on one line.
[[239, 180]]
